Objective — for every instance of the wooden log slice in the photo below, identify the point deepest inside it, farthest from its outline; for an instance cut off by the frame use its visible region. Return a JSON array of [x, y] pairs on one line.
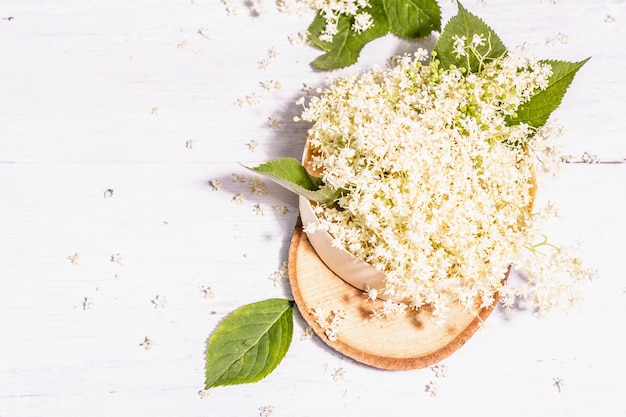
[[409, 342]]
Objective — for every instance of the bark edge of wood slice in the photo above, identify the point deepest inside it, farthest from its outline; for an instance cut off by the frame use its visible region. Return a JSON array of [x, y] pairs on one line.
[[405, 343]]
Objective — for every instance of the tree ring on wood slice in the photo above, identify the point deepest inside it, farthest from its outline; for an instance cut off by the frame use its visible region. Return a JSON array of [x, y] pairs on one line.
[[410, 342]]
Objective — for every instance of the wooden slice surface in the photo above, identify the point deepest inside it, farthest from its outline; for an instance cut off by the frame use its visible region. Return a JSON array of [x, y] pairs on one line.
[[410, 342]]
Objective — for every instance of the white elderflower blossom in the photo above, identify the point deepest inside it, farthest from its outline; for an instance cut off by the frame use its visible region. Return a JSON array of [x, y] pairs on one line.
[[478, 40], [330, 322], [439, 186], [362, 22], [459, 46], [332, 10]]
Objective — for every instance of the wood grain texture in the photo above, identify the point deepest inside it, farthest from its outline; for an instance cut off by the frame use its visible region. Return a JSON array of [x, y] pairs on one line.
[[410, 342]]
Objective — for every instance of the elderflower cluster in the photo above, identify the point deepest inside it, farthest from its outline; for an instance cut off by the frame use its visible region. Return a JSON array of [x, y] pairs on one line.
[[439, 187], [332, 10]]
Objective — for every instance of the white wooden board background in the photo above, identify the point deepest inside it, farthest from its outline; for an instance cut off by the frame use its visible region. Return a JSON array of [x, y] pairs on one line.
[[105, 95]]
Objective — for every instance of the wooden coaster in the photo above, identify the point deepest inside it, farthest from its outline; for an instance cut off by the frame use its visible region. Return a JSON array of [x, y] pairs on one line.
[[410, 342]]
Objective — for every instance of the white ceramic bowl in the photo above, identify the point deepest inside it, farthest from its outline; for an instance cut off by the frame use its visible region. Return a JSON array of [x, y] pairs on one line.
[[346, 266]]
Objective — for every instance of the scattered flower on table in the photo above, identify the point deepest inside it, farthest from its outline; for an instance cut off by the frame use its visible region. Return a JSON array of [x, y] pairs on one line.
[[117, 258], [258, 210], [238, 198], [281, 209], [266, 411], [306, 333], [147, 343], [432, 388], [257, 186], [204, 394], [440, 370], [238, 178], [74, 258], [159, 302], [207, 292], [339, 374], [252, 145], [206, 33], [559, 383], [88, 303], [216, 184], [108, 193]]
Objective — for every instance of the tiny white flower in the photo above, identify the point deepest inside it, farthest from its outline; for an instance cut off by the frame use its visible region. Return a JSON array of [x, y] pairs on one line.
[[371, 293], [252, 145], [205, 33], [238, 198], [431, 388], [421, 54], [215, 184], [310, 228], [266, 411], [147, 343], [281, 209], [274, 122], [73, 258], [117, 258], [257, 186], [559, 383], [308, 90], [272, 53], [478, 40], [589, 158], [307, 333], [238, 178], [459, 46], [207, 292], [88, 303], [252, 99], [362, 22], [440, 370], [339, 374], [278, 277], [258, 210], [159, 302]]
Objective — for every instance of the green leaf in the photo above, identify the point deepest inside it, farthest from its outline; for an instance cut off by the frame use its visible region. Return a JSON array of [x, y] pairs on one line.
[[342, 52], [346, 46], [413, 19], [249, 343], [315, 31], [290, 174], [291, 170], [538, 109], [465, 24]]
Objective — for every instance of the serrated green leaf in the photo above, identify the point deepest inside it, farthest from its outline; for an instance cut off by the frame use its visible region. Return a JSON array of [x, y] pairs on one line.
[[291, 170], [315, 31], [413, 19], [346, 46], [249, 343], [465, 24], [538, 109], [290, 174], [342, 52]]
